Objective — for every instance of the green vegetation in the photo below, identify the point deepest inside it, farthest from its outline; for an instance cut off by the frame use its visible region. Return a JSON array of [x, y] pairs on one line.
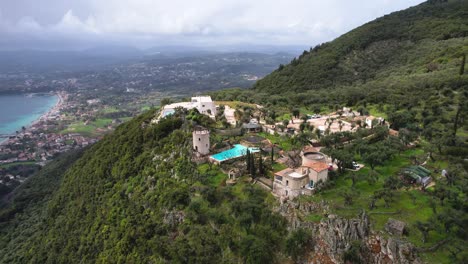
[[213, 174], [423, 39], [9, 165], [405, 66], [135, 197], [408, 67], [381, 189], [90, 129], [235, 104], [284, 142]]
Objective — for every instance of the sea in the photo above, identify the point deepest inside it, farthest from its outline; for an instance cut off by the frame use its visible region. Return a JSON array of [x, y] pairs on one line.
[[20, 110]]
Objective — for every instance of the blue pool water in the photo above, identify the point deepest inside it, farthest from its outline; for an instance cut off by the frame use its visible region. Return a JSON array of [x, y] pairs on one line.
[[168, 112], [237, 151]]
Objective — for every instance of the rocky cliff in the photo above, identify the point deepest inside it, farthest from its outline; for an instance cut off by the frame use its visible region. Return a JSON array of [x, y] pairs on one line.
[[339, 240]]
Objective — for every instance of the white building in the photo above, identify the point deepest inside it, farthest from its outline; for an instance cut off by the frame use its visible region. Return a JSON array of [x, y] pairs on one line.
[[203, 104], [370, 121]]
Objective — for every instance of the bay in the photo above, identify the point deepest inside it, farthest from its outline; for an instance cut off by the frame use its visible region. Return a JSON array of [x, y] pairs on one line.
[[17, 111]]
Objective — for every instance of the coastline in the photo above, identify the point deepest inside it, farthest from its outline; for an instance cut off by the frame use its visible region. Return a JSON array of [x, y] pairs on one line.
[[48, 114], [44, 117]]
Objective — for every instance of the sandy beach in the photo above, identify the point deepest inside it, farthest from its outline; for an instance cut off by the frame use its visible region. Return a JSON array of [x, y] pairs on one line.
[[51, 112]]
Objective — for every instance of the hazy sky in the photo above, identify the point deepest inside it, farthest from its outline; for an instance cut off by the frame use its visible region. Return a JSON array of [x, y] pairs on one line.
[[144, 23]]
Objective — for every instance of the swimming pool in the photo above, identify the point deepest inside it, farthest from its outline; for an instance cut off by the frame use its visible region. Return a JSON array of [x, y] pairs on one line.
[[167, 112], [237, 151]]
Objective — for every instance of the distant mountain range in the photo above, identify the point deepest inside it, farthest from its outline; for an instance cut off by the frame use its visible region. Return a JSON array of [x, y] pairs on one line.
[[101, 56]]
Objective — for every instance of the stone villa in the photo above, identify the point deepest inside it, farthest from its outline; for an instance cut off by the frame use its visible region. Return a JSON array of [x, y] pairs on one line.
[[291, 183]]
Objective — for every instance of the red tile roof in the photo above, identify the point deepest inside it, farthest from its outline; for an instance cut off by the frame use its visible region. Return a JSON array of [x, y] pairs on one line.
[[318, 166]]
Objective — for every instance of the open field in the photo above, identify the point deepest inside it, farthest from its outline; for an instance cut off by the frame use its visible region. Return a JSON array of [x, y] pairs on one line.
[[89, 129], [8, 165]]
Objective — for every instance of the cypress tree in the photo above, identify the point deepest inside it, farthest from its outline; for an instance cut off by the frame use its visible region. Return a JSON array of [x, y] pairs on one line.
[[252, 165], [272, 155], [248, 161], [462, 67], [260, 166]]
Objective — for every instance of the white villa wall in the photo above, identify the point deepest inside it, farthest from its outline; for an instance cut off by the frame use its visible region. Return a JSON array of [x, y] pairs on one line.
[[203, 104]]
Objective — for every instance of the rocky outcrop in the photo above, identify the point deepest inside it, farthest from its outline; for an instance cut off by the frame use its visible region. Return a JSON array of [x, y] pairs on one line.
[[334, 237], [337, 235], [294, 211], [173, 218], [389, 250]]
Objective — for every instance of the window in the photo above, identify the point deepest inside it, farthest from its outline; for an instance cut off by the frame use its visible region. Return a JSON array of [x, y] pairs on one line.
[[287, 182], [199, 139]]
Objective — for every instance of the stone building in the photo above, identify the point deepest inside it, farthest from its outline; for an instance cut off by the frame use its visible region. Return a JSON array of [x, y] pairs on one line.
[[302, 180], [201, 141]]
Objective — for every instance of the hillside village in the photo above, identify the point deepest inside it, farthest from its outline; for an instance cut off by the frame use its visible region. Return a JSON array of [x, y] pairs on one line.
[[309, 159], [252, 141], [339, 162]]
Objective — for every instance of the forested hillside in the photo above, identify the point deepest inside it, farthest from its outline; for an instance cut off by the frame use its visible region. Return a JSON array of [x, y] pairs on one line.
[[427, 40], [135, 197], [408, 67]]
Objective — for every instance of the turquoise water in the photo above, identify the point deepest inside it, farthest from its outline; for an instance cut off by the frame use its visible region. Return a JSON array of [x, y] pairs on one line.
[[168, 112], [235, 152], [17, 111]]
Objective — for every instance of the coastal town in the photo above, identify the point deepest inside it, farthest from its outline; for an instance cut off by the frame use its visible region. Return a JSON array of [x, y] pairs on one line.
[[74, 122], [40, 141]]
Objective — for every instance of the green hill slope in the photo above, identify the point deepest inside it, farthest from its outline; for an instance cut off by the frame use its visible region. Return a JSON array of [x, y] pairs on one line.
[[426, 39], [409, 66], [135, 197]]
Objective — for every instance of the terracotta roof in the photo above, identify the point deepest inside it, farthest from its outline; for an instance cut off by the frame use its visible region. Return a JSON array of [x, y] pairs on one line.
[[309, 163], [318, 166], [309, 149], [393, 132]]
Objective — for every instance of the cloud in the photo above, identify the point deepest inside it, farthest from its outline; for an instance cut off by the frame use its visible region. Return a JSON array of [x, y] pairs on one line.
[[201, 21], [71, 24]]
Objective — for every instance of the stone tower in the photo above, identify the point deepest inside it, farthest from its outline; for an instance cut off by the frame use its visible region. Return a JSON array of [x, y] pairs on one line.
[[201, 140]]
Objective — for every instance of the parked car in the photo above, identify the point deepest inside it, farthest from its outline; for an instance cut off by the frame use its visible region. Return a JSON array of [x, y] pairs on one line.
[[355, 165]]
